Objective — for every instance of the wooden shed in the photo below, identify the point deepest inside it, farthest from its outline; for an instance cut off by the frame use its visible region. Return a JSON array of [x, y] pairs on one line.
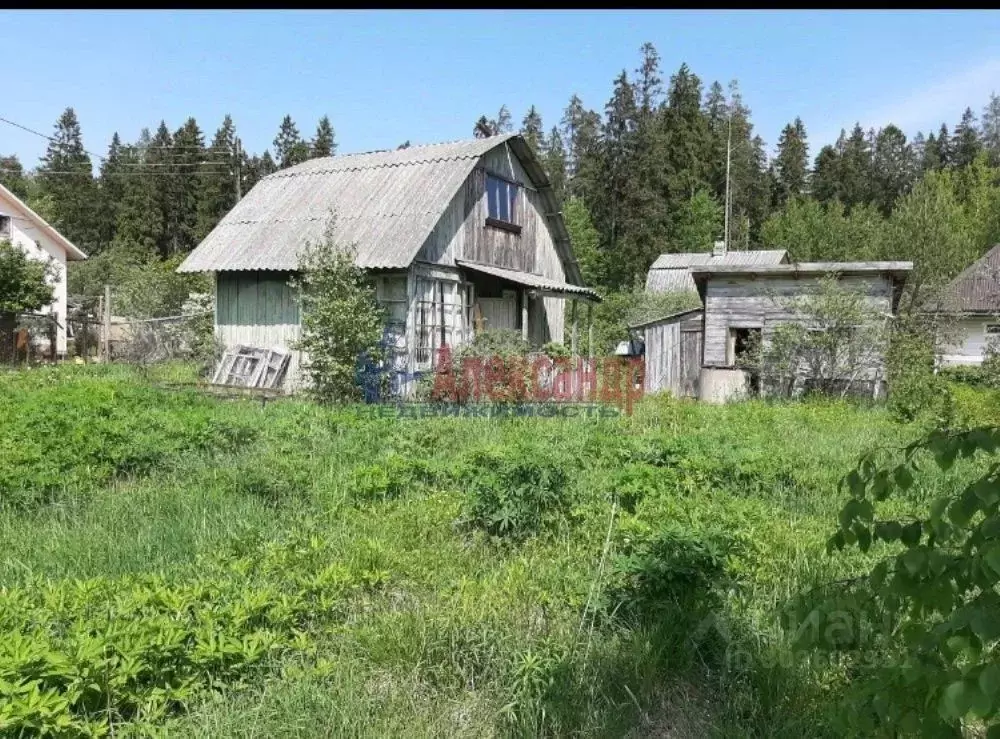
[[673, 349]]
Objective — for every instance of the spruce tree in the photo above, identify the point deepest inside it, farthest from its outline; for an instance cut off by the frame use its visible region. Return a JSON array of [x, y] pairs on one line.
[[687, 143], [139, 223], [581, 130], [256, 168], [188, 153], [791, 163], [648, 85], [111, 187], [12, 176], [965, 144], [554, 161], [324, 144], [619, 142], [217, 179], [824, 184], [289, 148], [67, 181], [944, 146], [716, 112], [502, 123], [532, 131], [892, 172], [931, 156], [990, 129], [855, 169], [749, 184]]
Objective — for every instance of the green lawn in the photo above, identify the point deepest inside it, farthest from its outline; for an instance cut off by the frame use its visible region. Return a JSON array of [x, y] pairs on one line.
[[197, 566]]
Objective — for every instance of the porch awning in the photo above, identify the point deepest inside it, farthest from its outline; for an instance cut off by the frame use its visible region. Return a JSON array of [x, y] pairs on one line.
[[538, 283]]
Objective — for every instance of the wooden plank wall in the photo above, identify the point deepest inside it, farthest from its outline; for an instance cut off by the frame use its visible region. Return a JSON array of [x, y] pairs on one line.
[[462, 233], [673, 356], [758, 302]]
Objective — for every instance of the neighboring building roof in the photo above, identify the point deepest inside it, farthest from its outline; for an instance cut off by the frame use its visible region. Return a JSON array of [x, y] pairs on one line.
[[691, 259], [672, 272], [670, 317], [387, 203], [529, 279], [977, 287], [897, 269], [73, 254]]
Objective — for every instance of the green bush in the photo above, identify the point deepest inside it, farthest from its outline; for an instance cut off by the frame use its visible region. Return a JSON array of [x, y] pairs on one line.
[[516, 493], [673, 570], [390, 478]]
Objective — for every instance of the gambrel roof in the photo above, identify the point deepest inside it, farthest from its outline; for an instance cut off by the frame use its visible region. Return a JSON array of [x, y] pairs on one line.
[[386, 204]]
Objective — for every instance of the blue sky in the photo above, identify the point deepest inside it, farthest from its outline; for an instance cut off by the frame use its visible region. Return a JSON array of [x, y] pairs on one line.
[[385, 77]]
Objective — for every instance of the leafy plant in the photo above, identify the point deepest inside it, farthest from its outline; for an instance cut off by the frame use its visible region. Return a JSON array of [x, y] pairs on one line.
[[24, 287], [515, 493], [341, 320], [927, 613]]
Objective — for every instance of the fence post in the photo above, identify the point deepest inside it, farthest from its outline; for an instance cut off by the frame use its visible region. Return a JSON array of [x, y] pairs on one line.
[[107, 323]]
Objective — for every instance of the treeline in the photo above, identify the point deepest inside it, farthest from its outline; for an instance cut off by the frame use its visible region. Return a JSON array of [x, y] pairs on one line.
[[159, 195], [644, 176], [649, 176]]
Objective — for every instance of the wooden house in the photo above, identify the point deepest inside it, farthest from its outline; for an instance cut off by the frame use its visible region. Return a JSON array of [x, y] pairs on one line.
[[458, 237], [741, 306]]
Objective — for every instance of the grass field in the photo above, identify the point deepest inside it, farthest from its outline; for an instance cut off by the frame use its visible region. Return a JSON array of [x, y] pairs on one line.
[[192, 566]]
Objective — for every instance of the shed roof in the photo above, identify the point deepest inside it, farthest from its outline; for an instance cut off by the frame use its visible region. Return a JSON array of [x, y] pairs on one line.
[[386, 204], [666, 318], [672, 272], [897, 269], [529, 279], [977, 287]]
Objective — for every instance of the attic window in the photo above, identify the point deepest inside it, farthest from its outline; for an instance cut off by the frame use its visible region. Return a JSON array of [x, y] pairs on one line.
[[502, 203], [5, 231]]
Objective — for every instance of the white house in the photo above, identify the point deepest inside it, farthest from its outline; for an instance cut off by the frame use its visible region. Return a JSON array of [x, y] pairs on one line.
[[973, 298], [22, 226]]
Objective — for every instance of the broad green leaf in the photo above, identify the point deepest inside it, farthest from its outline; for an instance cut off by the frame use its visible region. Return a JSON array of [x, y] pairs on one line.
[[992, 558], [856, 484], [938, 507], [914, 560], [910, 534], [903, 477], [955, 701], [957, 514], [849, 512], [989, 680], [865, 510]]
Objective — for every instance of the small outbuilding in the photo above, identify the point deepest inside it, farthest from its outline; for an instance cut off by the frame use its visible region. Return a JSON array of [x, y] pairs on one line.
[[741, 307]]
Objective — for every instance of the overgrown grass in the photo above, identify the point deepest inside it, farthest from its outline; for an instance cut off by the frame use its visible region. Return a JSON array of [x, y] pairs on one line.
[[204, 567]]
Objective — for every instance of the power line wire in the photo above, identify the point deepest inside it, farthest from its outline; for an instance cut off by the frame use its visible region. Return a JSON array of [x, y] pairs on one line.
[[45, 173], [50, 138]]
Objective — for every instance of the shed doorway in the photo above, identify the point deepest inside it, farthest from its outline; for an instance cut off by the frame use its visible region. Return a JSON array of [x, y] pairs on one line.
[[743, 343]]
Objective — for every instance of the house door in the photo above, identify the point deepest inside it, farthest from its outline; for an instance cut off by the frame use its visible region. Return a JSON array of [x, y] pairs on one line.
[[499, 312]]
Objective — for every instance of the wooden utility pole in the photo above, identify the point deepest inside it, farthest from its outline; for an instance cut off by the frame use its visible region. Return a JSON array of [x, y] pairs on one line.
[[107, 323], [236, 169]]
